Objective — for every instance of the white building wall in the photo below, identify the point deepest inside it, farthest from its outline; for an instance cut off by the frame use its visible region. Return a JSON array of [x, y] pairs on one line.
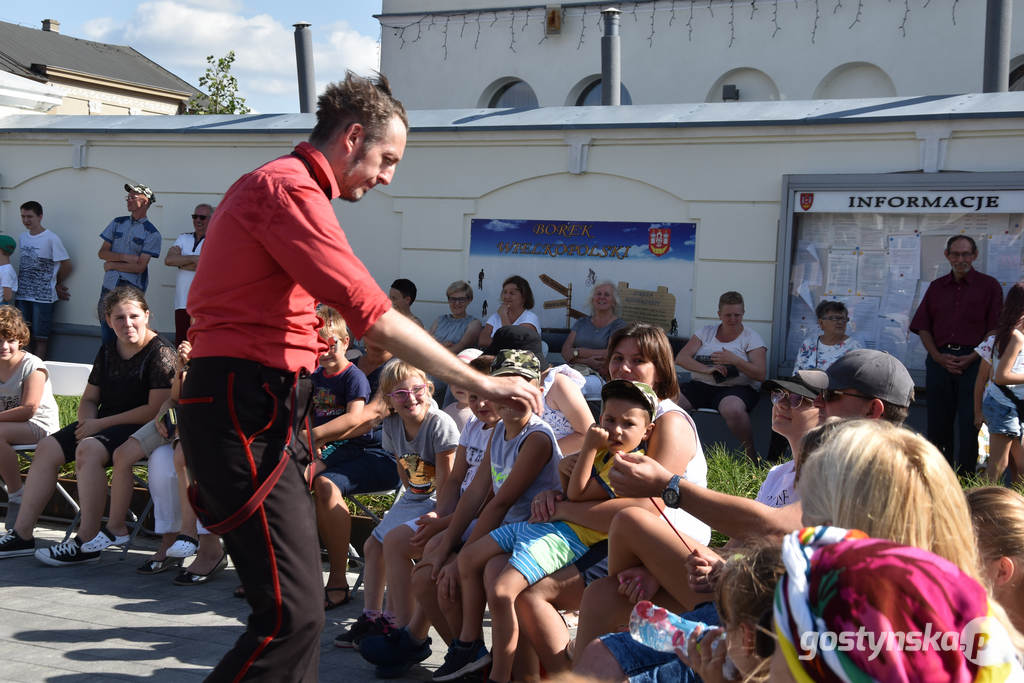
[[438, 61], [726, 179]]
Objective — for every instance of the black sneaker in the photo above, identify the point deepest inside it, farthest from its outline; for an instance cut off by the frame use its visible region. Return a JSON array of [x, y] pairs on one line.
[[67, 554], [394, 653], [463, 658], [365, 626], [13, 545]]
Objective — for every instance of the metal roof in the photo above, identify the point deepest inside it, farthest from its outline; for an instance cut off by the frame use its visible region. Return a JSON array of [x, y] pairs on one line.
[[22, 47], [786, 113]]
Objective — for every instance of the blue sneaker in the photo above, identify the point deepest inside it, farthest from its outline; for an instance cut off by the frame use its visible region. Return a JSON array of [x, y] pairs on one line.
[[461, 659]]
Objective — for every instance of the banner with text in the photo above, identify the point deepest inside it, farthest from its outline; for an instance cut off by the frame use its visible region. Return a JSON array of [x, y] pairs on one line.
[[651, 265]]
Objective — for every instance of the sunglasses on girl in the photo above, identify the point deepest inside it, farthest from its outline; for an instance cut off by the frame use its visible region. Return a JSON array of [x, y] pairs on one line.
[[795, 400], [407, 394]]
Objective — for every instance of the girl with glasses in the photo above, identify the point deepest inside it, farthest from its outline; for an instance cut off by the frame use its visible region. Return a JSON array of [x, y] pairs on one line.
[[820, 351], [422, 438]]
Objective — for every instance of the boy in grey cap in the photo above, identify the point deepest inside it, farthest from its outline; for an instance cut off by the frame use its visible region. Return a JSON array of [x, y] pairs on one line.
[[867, 383]]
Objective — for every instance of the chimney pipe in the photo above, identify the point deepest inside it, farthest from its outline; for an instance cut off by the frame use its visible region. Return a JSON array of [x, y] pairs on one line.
[[304, 65], [51, 25], [996, 77], [611, 58]]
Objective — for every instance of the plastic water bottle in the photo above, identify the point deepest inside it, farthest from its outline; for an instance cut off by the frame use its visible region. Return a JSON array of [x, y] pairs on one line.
[[659, 629]]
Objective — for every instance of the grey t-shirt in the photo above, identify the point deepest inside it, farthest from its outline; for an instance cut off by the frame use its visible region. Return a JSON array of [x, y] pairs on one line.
[[503, 458], [47, 416], [417, 456], [588, 336]]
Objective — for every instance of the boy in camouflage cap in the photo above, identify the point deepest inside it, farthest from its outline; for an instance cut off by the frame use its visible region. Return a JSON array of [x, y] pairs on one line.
[[540, 547]]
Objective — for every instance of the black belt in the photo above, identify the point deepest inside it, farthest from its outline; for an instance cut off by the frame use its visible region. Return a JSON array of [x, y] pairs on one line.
[[957, 349]]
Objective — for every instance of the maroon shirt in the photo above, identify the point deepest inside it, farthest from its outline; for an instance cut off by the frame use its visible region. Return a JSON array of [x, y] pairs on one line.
[[959, 313]]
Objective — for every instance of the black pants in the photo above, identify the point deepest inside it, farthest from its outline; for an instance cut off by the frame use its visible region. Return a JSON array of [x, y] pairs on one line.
[[951, 401], [236, 419]]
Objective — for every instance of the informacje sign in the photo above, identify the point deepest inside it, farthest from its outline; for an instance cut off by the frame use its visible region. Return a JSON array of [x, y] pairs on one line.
[[919, 201]]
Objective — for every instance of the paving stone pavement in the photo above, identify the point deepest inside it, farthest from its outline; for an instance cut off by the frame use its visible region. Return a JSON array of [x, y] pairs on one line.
[[105, 622]]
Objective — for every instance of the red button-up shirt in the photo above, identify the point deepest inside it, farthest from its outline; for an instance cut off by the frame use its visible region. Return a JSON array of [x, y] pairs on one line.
[[959, 313], [274, 247]]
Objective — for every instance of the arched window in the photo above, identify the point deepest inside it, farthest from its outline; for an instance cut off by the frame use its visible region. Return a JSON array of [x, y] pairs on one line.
[[591, 95], [515, 94]]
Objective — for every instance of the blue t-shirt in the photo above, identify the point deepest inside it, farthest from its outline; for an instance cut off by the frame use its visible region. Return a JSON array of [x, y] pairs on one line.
[[128, 236], [332, 394]]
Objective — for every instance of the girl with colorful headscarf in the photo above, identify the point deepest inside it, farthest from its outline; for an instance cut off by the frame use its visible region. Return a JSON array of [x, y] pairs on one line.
[[853, 608]]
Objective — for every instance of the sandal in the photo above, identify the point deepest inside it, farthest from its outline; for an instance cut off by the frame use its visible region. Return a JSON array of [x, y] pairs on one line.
[[331, 604], [187, 577], [153, 566]]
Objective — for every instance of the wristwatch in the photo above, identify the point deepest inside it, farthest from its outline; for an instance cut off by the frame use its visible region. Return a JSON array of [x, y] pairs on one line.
[[575, 352], [671, 493]]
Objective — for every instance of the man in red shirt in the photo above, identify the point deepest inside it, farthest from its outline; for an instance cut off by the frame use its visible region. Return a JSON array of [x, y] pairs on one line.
[[955, 315], [274, 248]]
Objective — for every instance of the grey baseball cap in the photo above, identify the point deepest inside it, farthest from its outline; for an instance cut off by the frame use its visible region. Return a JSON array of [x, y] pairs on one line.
[[872, 373]]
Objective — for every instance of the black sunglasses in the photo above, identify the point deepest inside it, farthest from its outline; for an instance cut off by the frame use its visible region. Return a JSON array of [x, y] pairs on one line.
[[199, 217], [830, 395]]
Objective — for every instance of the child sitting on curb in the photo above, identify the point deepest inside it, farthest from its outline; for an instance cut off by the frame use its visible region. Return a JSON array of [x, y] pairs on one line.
[[542, 548]]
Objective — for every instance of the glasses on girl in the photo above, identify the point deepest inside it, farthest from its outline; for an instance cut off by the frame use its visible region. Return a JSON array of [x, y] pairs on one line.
[[794, 400], [407, 394]]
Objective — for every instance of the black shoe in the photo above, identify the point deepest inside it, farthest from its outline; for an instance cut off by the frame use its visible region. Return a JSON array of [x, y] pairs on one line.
[[364, 627], [395, 651], [463, 658], [67, 554], [13, 545]]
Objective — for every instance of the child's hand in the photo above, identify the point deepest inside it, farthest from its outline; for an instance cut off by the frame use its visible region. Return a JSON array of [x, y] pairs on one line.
[[706, 657], [596, 438], [637, 584], [429, 526], [543, 505], [448, 582], [703, 566]]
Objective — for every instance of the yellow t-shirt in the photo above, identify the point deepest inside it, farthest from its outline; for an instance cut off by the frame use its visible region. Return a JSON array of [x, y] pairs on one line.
[[603, 462]]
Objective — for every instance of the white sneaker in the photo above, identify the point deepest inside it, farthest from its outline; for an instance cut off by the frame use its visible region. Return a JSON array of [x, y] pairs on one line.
[[104, 539], [66, 554]]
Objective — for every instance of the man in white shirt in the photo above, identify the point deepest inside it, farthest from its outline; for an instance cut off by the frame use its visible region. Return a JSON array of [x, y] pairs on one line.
[[184, 255]]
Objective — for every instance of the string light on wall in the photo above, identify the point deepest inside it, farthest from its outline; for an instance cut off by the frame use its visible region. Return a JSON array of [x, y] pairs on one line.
[[520, 21]]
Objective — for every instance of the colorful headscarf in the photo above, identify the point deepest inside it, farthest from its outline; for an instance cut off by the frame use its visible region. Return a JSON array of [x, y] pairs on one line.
[[853, 608]]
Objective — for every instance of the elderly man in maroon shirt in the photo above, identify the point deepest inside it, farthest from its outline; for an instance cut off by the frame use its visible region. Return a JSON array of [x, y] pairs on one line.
[[956, 314]]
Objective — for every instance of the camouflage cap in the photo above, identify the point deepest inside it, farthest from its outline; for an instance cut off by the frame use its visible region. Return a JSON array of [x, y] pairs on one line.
[[139, 188], [633, 391], [516, 362]]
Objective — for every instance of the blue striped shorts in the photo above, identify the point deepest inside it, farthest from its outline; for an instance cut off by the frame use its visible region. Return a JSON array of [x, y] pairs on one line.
[[539, 549]]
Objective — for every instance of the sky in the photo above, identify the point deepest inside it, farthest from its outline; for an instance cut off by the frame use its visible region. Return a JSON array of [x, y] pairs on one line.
[[179, 34]]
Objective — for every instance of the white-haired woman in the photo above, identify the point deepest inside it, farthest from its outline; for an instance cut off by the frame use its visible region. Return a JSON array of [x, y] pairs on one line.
[[457, 330], [587, 343]]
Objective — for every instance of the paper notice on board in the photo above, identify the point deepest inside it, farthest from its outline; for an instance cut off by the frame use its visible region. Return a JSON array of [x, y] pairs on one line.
[[845, 231], [802, 324], [813, 228], [1004, 254], [898, 301], [872, 273], [872, 234], [905, 257], [842, 273], [892, 337], [916, 353], [863, 318], [806, 265]]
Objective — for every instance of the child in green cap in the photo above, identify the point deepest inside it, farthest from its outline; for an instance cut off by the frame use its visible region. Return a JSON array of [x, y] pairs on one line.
[[8, 276]]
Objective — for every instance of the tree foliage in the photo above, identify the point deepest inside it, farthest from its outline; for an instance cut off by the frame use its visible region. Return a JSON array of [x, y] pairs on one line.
[[221, 89]]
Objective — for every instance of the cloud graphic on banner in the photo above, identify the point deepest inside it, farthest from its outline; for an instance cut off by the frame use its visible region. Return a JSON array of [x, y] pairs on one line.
[[500, 226]]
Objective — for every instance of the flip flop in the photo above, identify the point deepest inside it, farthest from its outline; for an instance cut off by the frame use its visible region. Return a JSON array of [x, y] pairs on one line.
[[157, 566], [331, 604], [189, 578]]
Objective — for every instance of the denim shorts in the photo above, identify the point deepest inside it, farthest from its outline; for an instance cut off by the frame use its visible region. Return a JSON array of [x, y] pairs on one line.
[[39, 317], [642, 664], [1000, 418]]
